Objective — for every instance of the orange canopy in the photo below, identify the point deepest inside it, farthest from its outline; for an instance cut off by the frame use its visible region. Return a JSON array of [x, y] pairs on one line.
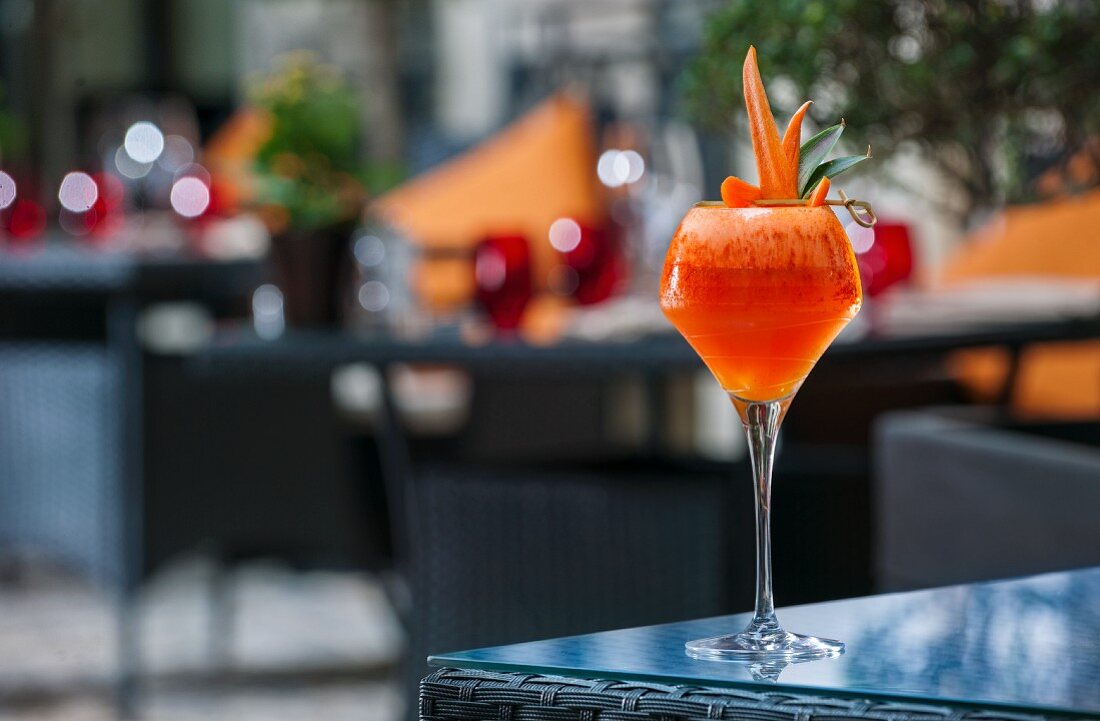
[[1058, 239]]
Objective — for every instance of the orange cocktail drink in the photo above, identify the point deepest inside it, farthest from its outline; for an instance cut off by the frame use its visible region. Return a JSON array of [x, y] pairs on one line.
[[760, 285], [760, 292]]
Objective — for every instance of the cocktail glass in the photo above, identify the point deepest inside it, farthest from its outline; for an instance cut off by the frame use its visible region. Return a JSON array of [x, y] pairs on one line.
[[760, 293]]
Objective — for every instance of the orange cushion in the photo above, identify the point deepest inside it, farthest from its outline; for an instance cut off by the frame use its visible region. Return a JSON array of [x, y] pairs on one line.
[[1058, 238]]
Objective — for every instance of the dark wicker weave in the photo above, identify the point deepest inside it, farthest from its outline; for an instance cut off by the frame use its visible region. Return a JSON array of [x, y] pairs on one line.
[[464, 695], [506, 554]]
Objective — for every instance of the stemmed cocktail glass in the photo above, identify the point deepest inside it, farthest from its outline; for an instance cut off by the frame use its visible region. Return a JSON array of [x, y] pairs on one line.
[[760, 293], [760, 285]]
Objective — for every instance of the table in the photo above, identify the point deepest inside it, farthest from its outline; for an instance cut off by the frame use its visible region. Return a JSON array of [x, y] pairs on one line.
[[662, 352], [654, 357], [1014, 649]]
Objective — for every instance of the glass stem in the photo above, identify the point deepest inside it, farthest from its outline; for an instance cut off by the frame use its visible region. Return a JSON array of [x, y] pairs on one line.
[[762, 427]]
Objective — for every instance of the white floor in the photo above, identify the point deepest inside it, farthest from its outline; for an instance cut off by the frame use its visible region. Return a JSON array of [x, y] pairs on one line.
[[359, 702], [57, 647]]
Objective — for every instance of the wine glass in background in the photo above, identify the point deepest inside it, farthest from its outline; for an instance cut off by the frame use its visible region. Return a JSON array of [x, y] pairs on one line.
[[593, 267], [651, 185], [885, 255], [503, 278], [381, 298]]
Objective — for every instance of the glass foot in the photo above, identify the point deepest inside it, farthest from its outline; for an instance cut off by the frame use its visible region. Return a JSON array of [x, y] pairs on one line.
[[773, 644]]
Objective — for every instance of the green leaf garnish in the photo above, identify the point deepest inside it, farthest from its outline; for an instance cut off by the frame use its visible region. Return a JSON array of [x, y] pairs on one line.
[[813, 153], [833, 168]]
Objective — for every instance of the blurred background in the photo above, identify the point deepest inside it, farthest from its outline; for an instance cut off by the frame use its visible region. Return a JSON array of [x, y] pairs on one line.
[[329, 333]]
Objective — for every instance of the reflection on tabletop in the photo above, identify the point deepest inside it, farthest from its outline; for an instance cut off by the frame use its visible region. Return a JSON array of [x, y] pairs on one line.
[[1025, 643]]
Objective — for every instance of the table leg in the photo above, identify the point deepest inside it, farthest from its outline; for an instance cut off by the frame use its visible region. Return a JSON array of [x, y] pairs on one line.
[[222, 616], [1012, 374], [393, 451], [122, 339]]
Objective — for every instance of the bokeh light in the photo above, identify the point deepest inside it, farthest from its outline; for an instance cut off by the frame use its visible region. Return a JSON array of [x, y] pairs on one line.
[[190, 196], [606, 170], [127, 167], [374, 296], [178, 152], [78, 224], [7, 190], [861, 238], [565, 235], [194, 170], [490, 269], [635, 165], [78, 192], [620, 167], [267, 311], [144, 142], [369, 250], [27, 220], [564, 280]]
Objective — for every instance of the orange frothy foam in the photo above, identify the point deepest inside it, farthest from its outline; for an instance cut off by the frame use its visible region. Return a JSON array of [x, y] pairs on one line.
[[760, 293]]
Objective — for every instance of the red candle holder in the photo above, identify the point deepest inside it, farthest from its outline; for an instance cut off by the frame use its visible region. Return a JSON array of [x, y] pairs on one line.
[[889, 260], [502, 277], [592, 259]]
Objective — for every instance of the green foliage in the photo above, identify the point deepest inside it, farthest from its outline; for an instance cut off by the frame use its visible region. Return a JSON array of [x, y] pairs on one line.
[[311, 165], [984, 87]]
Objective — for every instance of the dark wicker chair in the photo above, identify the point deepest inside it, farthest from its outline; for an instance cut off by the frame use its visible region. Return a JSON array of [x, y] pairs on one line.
[[59, 450], [508, 554]]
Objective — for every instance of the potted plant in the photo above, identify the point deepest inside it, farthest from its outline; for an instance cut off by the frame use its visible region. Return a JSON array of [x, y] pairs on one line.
[[309, 182]]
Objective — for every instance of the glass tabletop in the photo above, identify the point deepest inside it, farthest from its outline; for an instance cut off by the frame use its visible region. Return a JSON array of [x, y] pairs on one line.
[[1030, 644]]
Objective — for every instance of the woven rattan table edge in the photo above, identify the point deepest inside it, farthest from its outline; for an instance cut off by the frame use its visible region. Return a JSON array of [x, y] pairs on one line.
[[457, 694]]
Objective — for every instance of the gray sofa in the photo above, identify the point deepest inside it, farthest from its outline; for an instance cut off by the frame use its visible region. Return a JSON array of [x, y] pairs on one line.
[[964, 495]]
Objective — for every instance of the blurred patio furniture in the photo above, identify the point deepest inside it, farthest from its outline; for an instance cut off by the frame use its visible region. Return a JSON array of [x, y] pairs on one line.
[[72, 411], [1056, 240], [533, 172], [88, 305], [462, 528], [507, 552], [961, 652], [967, 494]]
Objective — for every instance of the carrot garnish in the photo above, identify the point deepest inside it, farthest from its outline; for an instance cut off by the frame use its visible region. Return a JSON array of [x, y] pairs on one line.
[[820, 192], [736, 193], [777, 179], [792, 138]]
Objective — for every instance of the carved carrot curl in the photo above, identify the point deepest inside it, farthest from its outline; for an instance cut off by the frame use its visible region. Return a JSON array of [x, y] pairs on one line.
[[790, 173]]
